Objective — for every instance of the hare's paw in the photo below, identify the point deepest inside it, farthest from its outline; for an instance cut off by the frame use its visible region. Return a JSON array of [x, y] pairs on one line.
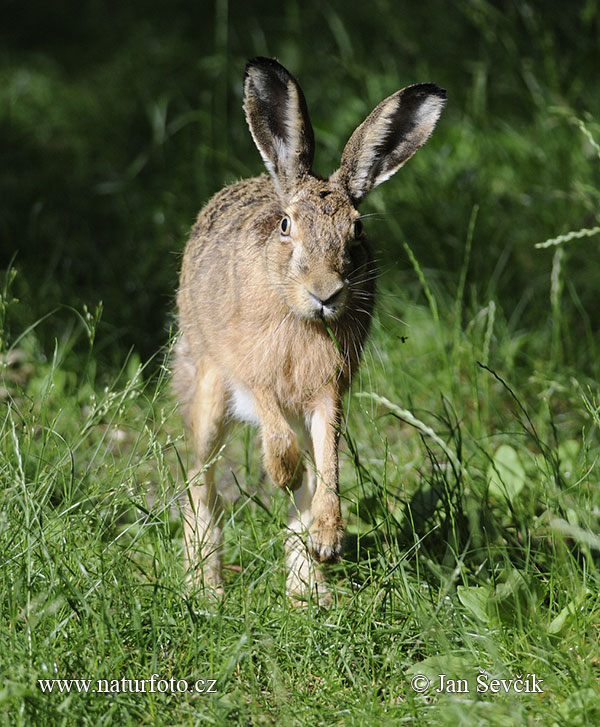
[[305, 581], [319, 594], [283, 462], [207, 580], [325, 540]]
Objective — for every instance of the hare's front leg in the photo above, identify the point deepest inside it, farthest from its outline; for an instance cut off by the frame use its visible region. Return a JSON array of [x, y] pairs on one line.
[[327, 529], [282, 456], [202, 510]]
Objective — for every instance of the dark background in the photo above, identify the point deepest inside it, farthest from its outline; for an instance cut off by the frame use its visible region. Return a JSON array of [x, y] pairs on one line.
[[119, 120]]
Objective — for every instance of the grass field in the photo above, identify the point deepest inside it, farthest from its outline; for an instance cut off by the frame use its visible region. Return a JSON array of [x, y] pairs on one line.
[[472, 521], [469, 465]]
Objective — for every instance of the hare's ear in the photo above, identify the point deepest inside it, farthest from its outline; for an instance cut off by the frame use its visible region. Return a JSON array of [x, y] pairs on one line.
[[278, 119], [389, 136]]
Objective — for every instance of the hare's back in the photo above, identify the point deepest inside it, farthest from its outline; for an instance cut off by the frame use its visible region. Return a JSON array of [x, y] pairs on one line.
[[221, 263], [226, 240], [246, 207]]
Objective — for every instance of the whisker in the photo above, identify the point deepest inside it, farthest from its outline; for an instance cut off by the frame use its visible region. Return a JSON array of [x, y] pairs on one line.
[[387, 313]]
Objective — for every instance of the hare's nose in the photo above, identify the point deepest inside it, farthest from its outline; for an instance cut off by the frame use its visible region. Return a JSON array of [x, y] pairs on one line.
[[329, 298]]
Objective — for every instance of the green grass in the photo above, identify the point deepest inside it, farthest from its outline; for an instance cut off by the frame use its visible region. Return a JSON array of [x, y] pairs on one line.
[[472, 505]]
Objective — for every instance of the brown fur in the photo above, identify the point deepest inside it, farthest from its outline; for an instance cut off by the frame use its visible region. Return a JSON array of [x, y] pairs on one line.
[[273, 321]]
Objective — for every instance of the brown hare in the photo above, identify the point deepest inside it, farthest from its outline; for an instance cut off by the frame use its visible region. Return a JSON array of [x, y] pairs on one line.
[[276, 294]]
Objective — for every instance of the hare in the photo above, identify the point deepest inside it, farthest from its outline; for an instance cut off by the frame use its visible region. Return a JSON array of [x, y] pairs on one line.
[[276, 294]]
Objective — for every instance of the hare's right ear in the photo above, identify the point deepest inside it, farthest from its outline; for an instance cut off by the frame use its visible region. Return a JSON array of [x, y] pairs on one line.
[[388, 137], [278, 119]]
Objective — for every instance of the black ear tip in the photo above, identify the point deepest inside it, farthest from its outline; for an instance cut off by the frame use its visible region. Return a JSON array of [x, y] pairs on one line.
[[420, 91], [263, 64], [432, 89]]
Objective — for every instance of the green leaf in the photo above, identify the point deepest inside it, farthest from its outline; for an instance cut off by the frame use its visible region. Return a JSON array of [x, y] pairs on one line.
[[506, 476], [515, 594], [568, 613], [452, 665], [567, 454], [474, 599]]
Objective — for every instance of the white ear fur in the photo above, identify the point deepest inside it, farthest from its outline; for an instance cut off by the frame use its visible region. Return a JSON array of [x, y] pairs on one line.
[[278, 118], [388, 137]]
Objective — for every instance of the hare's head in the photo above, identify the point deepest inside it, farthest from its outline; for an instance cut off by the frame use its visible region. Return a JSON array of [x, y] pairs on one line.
[[317, 256]]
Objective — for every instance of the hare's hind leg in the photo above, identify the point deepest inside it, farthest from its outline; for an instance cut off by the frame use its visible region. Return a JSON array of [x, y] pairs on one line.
[[202, 509], [303, 577]]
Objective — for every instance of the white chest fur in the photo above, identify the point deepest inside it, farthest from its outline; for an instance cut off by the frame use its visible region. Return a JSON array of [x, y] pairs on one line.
[[243, 406]]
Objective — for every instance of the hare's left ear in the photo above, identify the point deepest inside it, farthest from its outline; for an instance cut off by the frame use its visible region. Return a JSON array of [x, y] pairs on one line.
[[278, 119], [388, 137]]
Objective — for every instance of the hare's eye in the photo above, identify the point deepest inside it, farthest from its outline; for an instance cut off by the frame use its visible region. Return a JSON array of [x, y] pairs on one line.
[[285, 225], [358, 229]]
